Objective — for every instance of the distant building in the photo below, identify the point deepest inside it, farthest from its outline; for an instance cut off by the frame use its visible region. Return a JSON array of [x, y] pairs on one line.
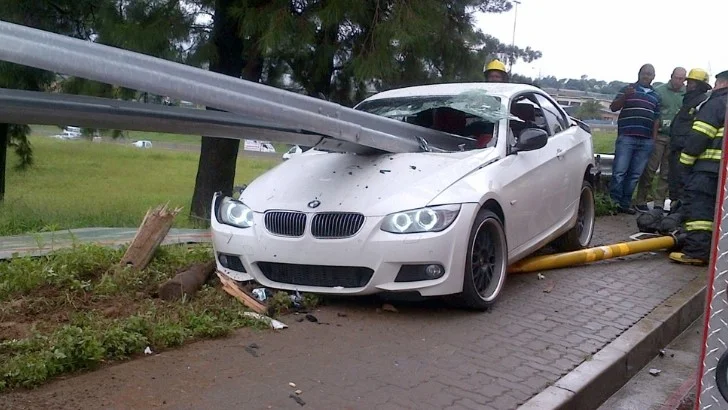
[[571, 100]]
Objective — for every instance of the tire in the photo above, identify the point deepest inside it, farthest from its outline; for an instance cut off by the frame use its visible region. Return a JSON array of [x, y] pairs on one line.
[[581, 234], [486, 264]]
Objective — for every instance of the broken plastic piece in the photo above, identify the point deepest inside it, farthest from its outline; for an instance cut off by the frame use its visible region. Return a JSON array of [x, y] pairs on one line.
[[655, 372], [540, 276], [148, 350], [259, 294], [275, 324]]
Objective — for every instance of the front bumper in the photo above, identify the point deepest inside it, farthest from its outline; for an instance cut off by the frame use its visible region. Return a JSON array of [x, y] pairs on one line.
[[372, 256]]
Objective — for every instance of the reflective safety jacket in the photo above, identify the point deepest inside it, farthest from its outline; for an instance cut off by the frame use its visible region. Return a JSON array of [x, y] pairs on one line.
[[703, 149], [683, 121]]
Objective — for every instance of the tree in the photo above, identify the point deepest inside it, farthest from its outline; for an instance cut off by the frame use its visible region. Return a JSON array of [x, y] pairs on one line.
[[235, 52], [589, 110]]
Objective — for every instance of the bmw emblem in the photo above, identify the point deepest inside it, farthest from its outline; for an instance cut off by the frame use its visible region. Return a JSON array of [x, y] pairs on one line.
[[314, 204]]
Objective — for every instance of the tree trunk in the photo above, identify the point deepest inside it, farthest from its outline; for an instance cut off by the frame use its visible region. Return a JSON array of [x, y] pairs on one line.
[[4, 139], [218, 156]]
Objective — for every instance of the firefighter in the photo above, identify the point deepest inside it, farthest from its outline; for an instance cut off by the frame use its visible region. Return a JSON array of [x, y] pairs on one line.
[[701, 159], [696, 91], [495, 72]]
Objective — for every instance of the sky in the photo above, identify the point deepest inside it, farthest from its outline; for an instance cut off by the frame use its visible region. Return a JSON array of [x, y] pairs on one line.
[[610, 39]]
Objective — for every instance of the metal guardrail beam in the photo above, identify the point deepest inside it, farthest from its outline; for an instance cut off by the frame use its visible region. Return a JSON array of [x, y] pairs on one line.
[[33, 107], [62, 54]]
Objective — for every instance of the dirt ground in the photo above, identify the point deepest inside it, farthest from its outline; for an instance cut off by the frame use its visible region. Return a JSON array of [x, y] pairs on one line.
[[425, 355]]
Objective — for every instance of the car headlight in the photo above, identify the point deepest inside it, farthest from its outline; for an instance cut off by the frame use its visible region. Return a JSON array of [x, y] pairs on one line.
[[429, 219], [235, 213]]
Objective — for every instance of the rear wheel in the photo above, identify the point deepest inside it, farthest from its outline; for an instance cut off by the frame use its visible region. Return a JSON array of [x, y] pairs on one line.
[[487, 259], [580, 235]]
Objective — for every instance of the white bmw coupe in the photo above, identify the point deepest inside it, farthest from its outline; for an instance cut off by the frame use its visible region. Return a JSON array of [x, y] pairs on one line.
[[435, 223]]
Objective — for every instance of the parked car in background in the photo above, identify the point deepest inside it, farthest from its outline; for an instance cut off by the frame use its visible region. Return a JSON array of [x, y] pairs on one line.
[[142, 144], [261, 146], [69, 133], [433, 223]]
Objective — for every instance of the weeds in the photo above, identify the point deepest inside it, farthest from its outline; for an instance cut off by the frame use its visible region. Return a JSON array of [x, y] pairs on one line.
[[86, 310], [603, 204]]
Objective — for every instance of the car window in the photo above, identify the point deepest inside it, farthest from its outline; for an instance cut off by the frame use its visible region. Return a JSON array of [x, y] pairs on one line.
[[554, 118]]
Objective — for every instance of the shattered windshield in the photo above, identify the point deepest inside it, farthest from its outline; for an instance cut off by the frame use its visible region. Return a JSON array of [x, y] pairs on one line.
[[477, 103]]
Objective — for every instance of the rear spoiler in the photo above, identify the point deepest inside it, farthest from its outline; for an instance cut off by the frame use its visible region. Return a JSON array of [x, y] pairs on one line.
[[581, 124]]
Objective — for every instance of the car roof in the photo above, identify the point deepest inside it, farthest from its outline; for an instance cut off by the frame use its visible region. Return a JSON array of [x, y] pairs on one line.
[[506, 90]]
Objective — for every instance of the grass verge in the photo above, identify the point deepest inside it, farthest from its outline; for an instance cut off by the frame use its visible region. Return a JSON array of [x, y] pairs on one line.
[[77, 184], [604, 141], [77, 309]]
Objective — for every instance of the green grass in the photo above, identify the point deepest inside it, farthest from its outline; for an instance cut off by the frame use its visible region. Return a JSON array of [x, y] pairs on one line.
[[80, 184], [130, 136], [604, 141], [78, 309]]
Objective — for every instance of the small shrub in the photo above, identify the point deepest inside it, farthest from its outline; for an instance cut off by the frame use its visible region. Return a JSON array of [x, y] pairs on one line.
[[603, 205]]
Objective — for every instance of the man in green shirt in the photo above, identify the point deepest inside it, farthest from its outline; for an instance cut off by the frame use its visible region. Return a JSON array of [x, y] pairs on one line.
[[671, 96]]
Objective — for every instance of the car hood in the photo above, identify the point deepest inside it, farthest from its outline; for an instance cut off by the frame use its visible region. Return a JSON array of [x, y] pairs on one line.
[[374, 185]]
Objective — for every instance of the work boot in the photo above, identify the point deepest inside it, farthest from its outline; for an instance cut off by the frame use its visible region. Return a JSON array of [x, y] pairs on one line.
[[685, 259]]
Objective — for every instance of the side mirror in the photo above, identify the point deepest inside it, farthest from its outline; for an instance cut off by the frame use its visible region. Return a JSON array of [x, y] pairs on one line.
[[532, 139]]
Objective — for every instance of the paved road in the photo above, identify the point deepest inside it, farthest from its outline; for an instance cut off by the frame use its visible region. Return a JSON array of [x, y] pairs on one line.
[[426, 356]]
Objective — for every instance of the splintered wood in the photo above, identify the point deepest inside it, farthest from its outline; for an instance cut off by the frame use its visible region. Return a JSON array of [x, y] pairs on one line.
[[154, 228], [232, 288]]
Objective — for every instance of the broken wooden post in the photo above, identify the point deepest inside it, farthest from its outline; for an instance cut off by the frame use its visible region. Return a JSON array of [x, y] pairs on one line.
[[187, 282], [154, 228], [232, 288]]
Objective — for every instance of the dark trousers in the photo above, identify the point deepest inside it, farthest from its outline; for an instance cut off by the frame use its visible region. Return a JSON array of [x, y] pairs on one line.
[[699, 204], [674, 177]]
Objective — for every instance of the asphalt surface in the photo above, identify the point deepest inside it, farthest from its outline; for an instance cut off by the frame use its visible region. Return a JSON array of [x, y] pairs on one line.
[[424, 356]]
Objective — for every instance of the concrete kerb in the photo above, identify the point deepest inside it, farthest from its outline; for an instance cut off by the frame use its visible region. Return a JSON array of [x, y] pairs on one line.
[[591, 383]]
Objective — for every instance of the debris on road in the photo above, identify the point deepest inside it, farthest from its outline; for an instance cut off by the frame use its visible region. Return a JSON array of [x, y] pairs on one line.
[[292, 384], [148, 350], [154, 228], [297, 399], [187, 282], [662, 352], [655, 372], [311, 318], [540, 276], [275, 324], [260, 294], [549, 287], [252, 349]]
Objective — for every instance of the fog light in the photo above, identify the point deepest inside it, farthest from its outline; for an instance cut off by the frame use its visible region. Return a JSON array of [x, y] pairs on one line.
[[434, 271], [231, 262], [223, 260]]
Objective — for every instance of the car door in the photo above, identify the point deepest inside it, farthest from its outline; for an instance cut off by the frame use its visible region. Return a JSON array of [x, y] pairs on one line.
[[531, 179], [565, 141]]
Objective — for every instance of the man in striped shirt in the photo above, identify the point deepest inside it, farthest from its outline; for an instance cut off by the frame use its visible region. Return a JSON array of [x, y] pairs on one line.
[[637, 127]]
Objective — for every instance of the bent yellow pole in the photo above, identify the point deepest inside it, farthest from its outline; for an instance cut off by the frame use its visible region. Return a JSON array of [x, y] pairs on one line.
[[562, 260]]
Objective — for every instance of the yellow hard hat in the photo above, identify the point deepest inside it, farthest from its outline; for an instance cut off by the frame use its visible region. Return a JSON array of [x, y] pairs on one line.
[[698, 74], [495, 65]]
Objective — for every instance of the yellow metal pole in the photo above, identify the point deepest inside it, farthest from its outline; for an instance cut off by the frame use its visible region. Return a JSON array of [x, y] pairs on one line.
[[561, 260]]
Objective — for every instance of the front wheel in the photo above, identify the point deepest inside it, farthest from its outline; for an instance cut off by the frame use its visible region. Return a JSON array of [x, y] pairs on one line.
[[580, 235], [487, 260]]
